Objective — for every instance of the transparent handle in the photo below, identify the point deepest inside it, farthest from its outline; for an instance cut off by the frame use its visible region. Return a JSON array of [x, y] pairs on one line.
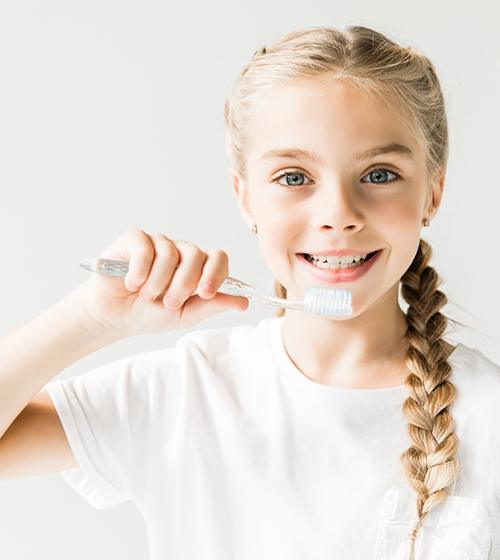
[[119, 269], [108, 267], [235, 287]]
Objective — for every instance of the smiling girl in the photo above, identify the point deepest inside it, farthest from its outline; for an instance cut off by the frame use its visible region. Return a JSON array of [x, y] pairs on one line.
[[358, 437]]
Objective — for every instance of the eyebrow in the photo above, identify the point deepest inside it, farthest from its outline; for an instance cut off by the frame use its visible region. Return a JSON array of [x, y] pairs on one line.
[[297, 153]]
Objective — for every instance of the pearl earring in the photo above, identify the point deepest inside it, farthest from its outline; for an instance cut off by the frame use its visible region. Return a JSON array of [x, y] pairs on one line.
[[426, 222]]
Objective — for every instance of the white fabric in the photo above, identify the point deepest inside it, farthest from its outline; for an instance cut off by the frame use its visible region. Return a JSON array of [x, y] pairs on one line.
[[230, 452]]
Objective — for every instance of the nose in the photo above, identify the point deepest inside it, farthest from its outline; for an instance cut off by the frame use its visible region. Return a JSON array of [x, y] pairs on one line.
[[336, 207]]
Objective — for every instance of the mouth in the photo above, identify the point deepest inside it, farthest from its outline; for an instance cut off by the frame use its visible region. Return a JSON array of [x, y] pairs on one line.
[[333, 273]]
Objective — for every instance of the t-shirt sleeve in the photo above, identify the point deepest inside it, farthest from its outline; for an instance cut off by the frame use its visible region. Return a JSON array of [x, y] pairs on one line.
[[111, 416]]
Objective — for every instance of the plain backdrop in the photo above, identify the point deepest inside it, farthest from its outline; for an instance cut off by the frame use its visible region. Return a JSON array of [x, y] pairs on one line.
[[111, 117]]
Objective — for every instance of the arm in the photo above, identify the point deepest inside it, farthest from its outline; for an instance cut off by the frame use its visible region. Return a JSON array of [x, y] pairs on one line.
[[39, 350]]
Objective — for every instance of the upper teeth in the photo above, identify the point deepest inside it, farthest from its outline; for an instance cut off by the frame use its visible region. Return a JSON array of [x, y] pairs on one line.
[[339, 260]]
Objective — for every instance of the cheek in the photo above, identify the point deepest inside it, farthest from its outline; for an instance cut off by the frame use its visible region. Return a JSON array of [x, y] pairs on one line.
[[399, 215], [400, 226], [281, 223], [278, 239]]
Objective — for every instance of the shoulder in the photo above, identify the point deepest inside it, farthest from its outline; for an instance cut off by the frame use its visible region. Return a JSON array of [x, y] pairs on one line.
[[216, 342], [194, 352], [480, 366], [477, 378], [235, 360], [209, 343], [476, 414]]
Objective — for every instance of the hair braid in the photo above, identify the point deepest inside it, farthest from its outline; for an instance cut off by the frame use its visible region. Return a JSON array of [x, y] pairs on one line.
[[430, 463]]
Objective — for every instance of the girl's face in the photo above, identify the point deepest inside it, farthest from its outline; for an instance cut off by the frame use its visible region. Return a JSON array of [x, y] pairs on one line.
[[339, 197]]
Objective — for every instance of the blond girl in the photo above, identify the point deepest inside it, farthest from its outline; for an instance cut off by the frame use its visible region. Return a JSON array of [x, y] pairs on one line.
[[301, 437]]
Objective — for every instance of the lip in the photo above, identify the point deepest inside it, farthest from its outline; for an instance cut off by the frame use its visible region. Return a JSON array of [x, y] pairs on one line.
[[340, 275]]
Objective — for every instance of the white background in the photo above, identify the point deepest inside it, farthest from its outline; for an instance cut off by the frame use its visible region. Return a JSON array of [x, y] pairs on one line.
[[111, 117]]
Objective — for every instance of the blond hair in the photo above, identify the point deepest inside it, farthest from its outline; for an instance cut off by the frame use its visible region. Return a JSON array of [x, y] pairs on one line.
[[406, 79]]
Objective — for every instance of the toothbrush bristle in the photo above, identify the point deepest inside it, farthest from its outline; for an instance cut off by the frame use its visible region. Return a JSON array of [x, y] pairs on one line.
[[328, 301]]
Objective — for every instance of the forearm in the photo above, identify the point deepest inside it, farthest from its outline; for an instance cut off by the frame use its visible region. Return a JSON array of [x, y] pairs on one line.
[[37, 351]]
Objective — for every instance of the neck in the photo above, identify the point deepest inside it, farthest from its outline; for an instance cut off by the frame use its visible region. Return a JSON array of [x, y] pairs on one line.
[[366, 351]]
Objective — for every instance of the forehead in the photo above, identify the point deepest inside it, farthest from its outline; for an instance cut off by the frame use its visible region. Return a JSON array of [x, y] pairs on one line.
[[325, 117]]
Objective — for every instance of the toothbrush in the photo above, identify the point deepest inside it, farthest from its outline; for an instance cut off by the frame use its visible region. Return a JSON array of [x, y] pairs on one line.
[[318, 300]]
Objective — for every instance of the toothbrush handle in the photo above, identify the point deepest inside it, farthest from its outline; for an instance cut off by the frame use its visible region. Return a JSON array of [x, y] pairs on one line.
[[231, 286]]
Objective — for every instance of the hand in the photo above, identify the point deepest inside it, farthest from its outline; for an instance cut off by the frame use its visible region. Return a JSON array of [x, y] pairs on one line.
[[159, 268]]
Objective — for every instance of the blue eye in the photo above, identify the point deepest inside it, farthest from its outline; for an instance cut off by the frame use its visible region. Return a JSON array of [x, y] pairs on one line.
[[293, 174], [381, 173], [379, 177]]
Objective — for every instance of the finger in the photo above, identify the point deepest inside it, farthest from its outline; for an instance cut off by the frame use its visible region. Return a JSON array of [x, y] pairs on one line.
[[187, 275], [164, 265], [215, 271], [199, 309], [139, 251]]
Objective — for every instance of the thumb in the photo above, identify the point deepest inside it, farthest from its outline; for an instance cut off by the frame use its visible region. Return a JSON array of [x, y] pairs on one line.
[[226, 301], [203, 308]]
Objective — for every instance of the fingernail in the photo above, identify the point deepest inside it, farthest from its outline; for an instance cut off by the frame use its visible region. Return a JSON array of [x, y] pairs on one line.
[[171, 302], [207, 287]]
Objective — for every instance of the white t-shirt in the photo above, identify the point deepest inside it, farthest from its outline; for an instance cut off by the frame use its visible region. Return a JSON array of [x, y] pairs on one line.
[[231, 453]]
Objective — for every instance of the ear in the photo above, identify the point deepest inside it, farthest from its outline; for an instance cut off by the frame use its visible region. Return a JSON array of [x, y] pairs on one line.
[[241, 190], [435, 194]]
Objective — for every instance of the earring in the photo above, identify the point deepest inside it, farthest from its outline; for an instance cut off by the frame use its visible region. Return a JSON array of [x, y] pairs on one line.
[[426, 222], [254, 228]]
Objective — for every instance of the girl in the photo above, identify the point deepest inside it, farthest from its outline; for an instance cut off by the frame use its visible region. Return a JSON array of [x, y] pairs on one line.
[[302, 437]]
